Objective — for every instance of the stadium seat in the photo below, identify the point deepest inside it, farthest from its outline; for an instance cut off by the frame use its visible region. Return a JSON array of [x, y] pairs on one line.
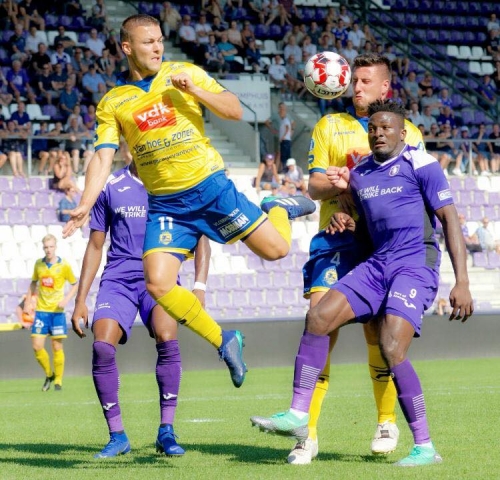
[[475, 68], [480, 259], [17, 268], [464, 52], [487, 68], [14, 216]]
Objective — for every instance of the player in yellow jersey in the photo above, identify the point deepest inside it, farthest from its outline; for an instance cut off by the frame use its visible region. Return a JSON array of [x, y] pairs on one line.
[[156, 107], [50, 275], [338, 140]]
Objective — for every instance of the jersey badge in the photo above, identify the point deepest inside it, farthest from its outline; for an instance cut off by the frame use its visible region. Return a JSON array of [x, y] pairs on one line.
[[394, 170], [165, 238], [331, 276]]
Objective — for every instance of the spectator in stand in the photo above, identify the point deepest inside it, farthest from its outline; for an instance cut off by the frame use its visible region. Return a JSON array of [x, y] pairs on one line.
[[21, 118], [218, 27], [345, 16], [493, 44], [89, 118], [79, 63], [93, 85], [369, 37], [267, 174], [104, 61], [471, 241], [415, 116], [367, 48], [495, 146], [398, 60], [29, 14], [95, 44], [66, 204], [113, 45], [411, 87], [40, 148], [56, 145], [253, 56], [292, 32], [331, 17], [325, 42], [425, 82], [349, 52], [397, 85], [277, 73], [294, 78], [466, 155], [17, 44], [315, 32], [5, 97], [14, 146], [308, 48], [235, 38], [73, 8], [340, 33], [109, 77], [447, 150], [187, 37], [170, 20], [63, 173], [429, 99], [202, 29], [34, 38], [295, 175], [447, 117], [285, 136], [76, 113], [356, 35], [229, 51], [19, 83], [428, 118], [58, 79], [485, 150], [278, 14], [493, 23], [44, 83], [485, 234], [75, 146], [38, 60], [68, 99], [3, 156], [444, 98], [291, 48], [488, 94], [60, 56], [214, 60], [247, 34], [213, 9], [62, 37], [98, 18]]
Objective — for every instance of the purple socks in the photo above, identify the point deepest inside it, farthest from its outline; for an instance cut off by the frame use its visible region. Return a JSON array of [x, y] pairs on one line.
[[411, 400], [168, 376], [309, 362]]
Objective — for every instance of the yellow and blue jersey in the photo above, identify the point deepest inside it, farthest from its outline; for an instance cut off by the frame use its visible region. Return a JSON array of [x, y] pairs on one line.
[[339, 140], [163, 128], [51, 279]]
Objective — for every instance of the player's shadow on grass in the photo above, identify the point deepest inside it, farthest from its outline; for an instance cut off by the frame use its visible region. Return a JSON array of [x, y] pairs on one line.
[[271, 455]]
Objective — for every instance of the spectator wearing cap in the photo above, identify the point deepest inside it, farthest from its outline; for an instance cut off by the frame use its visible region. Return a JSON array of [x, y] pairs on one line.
[[267, 174], [295, 175]]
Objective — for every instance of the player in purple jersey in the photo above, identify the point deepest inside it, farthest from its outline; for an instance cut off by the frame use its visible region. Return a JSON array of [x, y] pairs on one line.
[[398, 191], [121, 209]]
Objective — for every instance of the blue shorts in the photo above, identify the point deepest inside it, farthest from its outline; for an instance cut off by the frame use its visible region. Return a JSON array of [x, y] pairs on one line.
[[380, 286], [50, 323], [121, 301], [330, 258], [213, 208]]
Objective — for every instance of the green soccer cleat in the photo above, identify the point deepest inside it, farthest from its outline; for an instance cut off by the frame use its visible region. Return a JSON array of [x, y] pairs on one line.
[[48, 381], [420, 456], [296, 206], [285, 424], [231, 351]]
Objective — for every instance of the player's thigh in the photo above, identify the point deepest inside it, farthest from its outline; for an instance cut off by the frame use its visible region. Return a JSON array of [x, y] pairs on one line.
[[160, 272], [330, 313], [107, 330], [38, 342], [267, 243]]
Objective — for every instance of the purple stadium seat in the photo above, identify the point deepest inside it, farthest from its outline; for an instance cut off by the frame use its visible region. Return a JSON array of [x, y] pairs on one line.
[[224, 299], [455, 183], [42, 199], [231, 281], [456, 101], [49, 216], [479, 117], [289, 296], [280, 280], [261, 31], [65, 20], [287, 263], [466, 198], [188, 266], [264, 280], [295, 279], [470, 183], [4, 184], [10, 304], [480, 259], [254, 262], [491, 212], [83, 37], [240, 298], [7, 286], [20, 184], [475, 212], [494, 260], [467, 117], [273, 299], [22, 284], [51, 21], [248, 312], [480, 197], [32, 216], [275, 32], [247, 281], [25, 199], [215, 282], [9, 200], [37, 183]]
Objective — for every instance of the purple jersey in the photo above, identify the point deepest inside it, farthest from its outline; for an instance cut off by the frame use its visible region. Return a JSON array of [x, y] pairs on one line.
[[398, 198], [121, 209]]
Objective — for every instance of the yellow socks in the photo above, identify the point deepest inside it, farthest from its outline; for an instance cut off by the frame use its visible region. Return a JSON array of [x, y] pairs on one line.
[[183, 305], [42, 357], [383, 386], [278, 216], [58, 366], [319, 393]]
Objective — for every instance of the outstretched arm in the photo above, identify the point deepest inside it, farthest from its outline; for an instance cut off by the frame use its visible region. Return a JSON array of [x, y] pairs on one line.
[[460, 296]]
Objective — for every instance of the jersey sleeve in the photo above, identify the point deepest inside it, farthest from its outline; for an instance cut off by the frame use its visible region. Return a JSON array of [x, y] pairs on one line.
[[108, 131], [34, 277], [318, 158], [434, 186], [414, 136], [98, 217], [68, 273], [204, 80]]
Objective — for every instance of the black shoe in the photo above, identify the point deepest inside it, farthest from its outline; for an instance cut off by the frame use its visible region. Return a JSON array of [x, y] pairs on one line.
[[48, 381], [57, 387]]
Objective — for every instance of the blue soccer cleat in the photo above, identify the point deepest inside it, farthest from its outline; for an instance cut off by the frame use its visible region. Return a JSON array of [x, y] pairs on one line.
[[286, 424], [420, 456], [231, 351], [118, 445], [166, 442], [296, 206]]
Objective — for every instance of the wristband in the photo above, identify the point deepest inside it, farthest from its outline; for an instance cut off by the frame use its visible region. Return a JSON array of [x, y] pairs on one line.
[[200, 286]]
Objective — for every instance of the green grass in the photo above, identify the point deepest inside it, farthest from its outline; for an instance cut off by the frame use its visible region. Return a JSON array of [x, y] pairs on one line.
[[54, 435]]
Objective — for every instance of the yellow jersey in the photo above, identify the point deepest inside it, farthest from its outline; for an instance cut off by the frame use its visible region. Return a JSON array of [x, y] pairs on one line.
[[341, 139], [163, 128], [51, 280]]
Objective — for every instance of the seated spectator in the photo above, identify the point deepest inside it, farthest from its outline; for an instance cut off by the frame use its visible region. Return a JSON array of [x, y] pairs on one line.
[[253, 56], [445, 99], [80, 63], [76, 113], [14, 146], [287, 189], [345, 16], [218, 27], [428, 120], [113, 45], [447, 117], [267, 174], [411, 87], [56, 144], [415, 116], [349, 52], [325, 43], [17, 44], [60, 56], [447, 150], [44, 83], [398, 61], [104, 61], [21, 118], [202, 29], [40, 148], [26, 318], [247, 34], [471, 241], [277, 73], [95, 44], [235, 38], [69, 98], [369, 36], [291, 48], [295, 175], [493, 23], [63, 174], [170, 20], [214, 61], [187, 37], [493, 44], [77, 135], [295, 80], [19, 83], [109, 77], [30, 15], [229, 52], [34, 38], [98, 17], [488, 94], [486, 236], [466, 155], [357, 36], [397, 85], [73, 8], [340, 33], [58, 79], [66, 204], [487, 161], [38, 60], [308, 48], [89, 118], [426, 82], [93, 85], [62, 37], [277, 13], [429, 99], [495, 146]]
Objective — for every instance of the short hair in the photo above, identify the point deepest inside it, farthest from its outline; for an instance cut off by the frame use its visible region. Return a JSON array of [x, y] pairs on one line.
[[49, 237], [387, 106], [138, 20], [372, 59]]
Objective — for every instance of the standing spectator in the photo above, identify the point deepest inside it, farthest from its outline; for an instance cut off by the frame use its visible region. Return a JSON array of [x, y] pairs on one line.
[[285, 136], [295, 175], [170, 20], [50, 275], [66, 204], [267, 175], [93, 84], [95, 44]]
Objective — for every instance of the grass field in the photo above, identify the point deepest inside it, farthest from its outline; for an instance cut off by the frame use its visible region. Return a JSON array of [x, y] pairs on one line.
[[54, 435]]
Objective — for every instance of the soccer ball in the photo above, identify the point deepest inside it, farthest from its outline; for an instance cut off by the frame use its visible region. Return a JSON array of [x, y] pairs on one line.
[[327, 75]]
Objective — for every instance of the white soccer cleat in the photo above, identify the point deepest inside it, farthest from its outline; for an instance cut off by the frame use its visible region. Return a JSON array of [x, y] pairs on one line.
[[385, 439], [304, 452]]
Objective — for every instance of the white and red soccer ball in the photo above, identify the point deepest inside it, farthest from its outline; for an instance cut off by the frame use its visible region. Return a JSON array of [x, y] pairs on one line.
[[327, 75]]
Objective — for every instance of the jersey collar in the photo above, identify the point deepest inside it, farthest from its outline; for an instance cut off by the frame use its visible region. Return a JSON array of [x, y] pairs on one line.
[[362, 120], [144, 84]]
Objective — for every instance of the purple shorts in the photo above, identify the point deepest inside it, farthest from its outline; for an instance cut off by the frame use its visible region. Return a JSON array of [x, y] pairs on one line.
[[380, 286]]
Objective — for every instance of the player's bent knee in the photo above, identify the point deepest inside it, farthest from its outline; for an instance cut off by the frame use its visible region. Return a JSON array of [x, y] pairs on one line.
[[157, 290]]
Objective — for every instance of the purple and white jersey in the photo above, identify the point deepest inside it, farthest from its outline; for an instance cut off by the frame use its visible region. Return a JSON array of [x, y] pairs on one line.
[[398, 198], [121, 209]]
